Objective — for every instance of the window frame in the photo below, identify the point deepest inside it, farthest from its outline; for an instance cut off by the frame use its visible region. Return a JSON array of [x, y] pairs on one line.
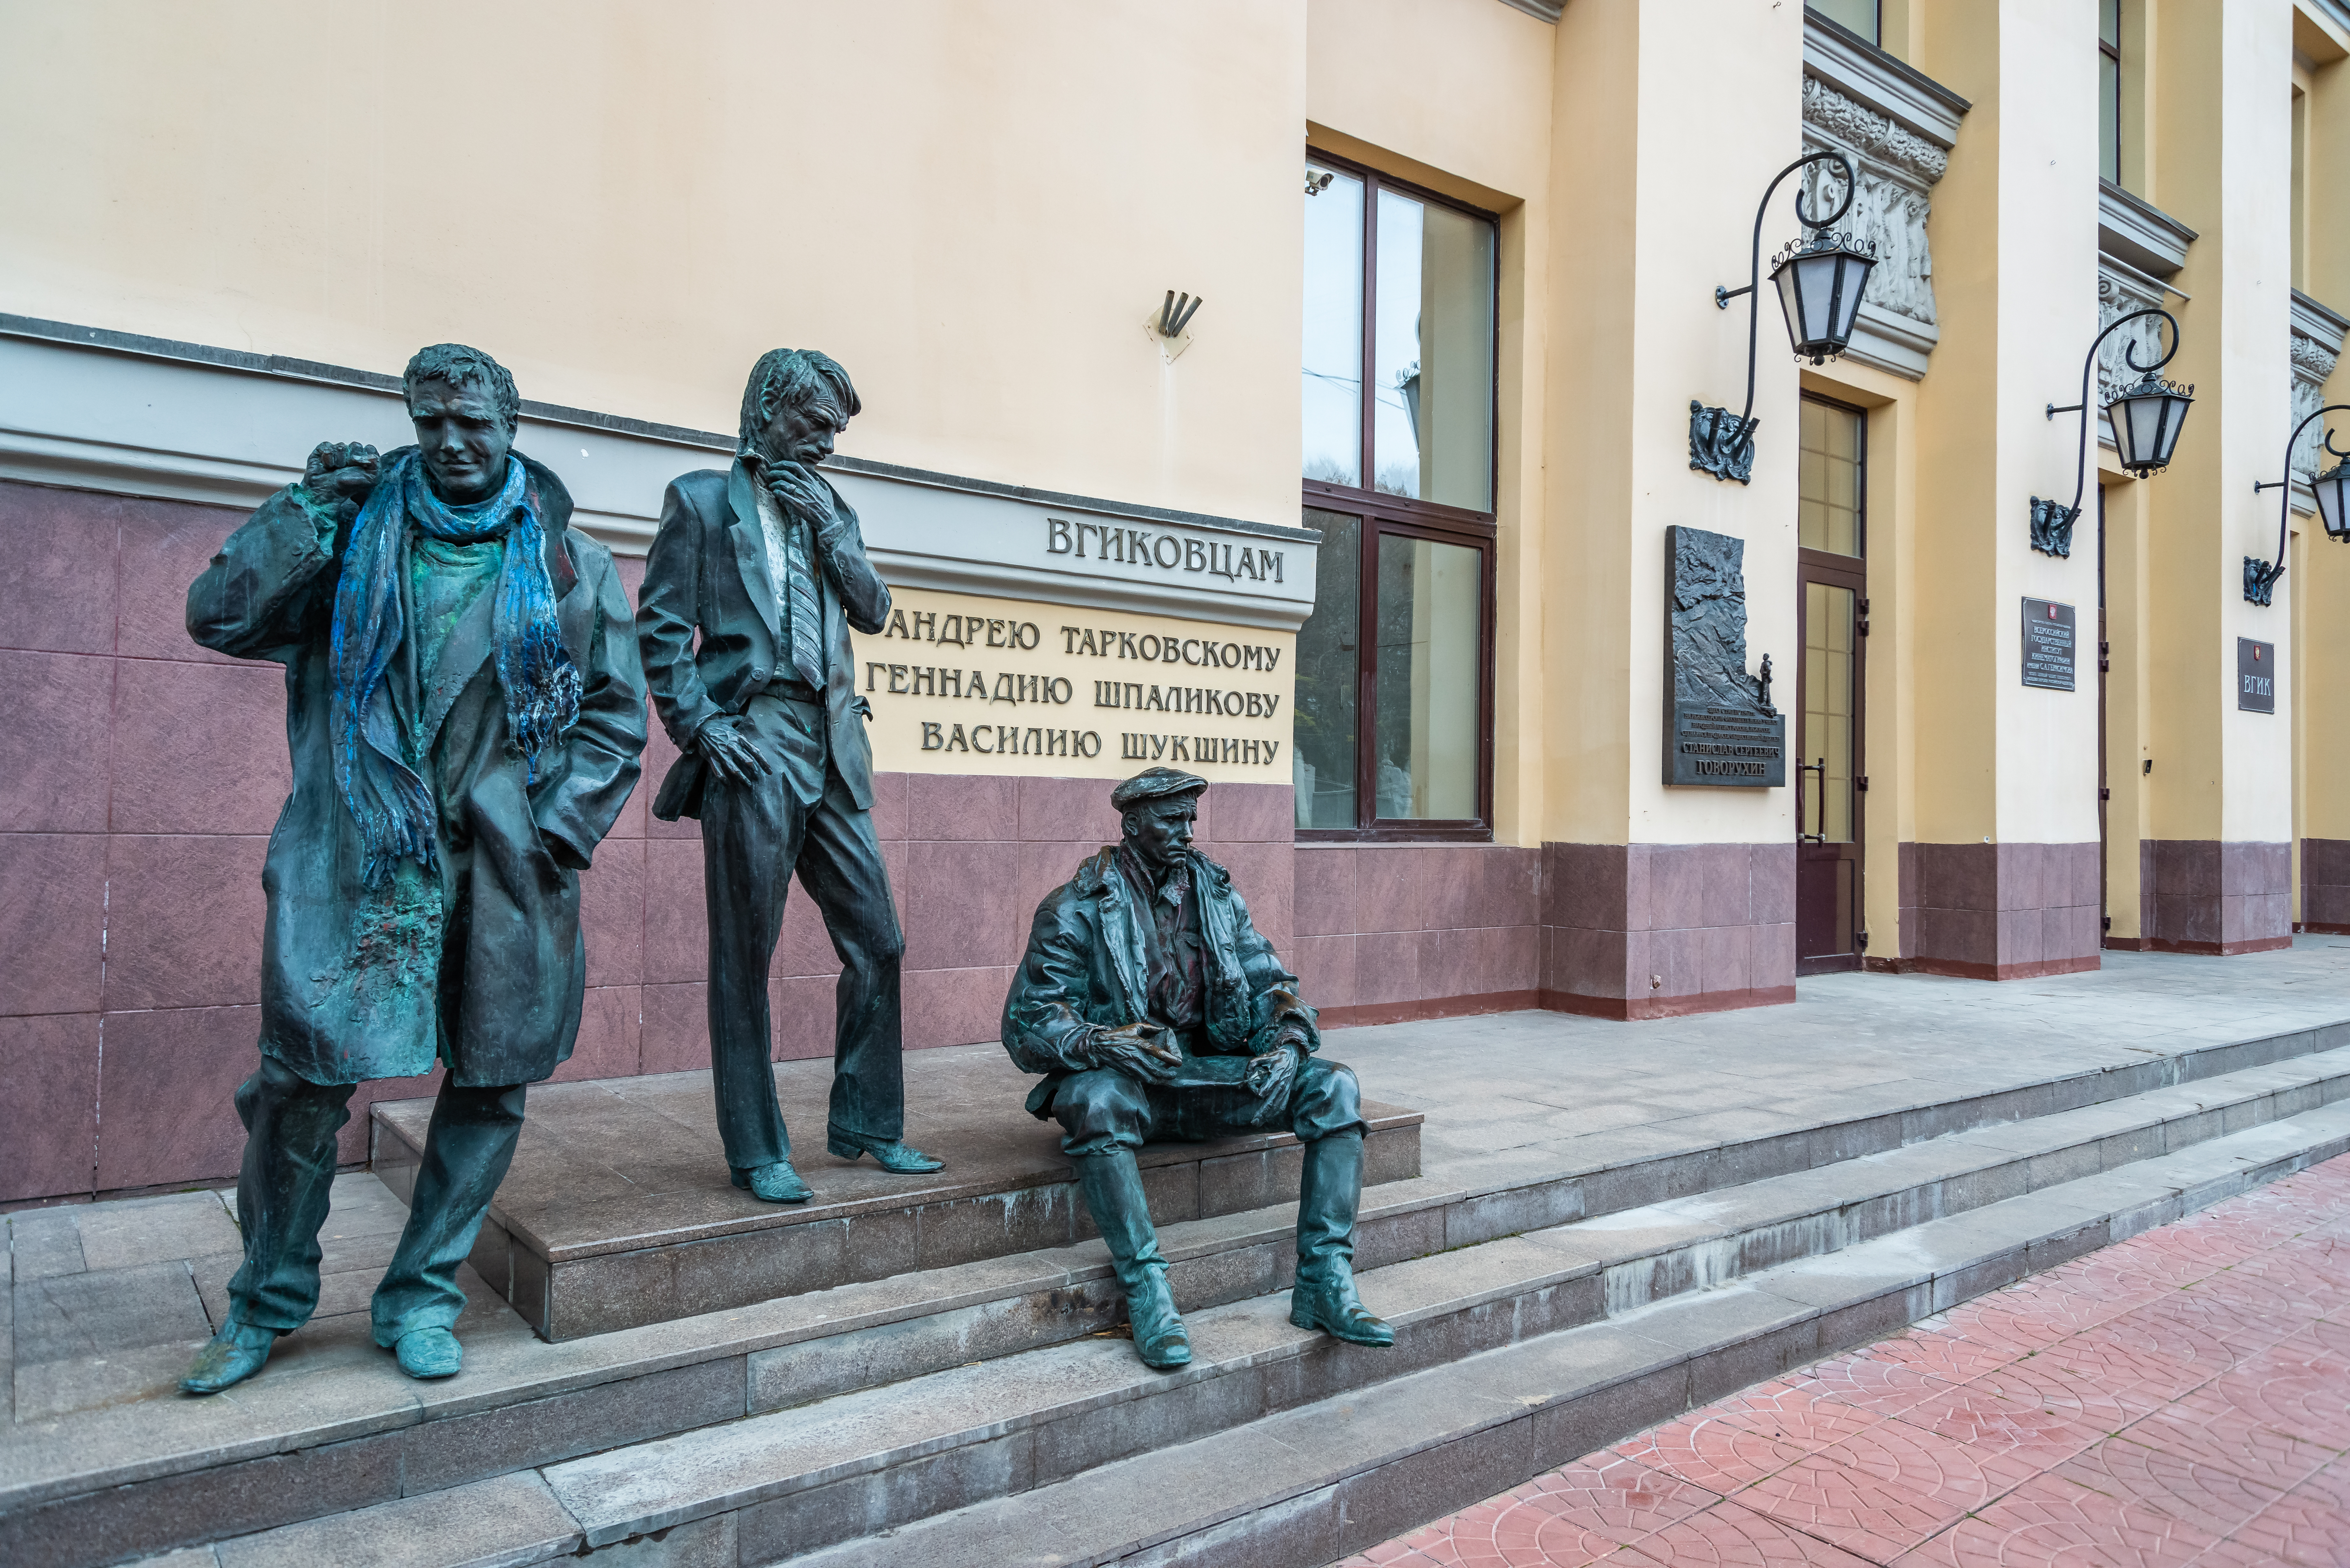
[[1381, 514], [1860, 500], [2113, 51]]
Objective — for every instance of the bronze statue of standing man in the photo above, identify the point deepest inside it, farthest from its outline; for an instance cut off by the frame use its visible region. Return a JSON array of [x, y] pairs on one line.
[[464, 711], [766, 564]]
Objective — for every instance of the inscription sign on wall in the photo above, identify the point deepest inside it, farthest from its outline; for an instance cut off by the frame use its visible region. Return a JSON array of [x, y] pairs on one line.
[[1720, 727], [2048, 645], [964, 684], [2255, 676]]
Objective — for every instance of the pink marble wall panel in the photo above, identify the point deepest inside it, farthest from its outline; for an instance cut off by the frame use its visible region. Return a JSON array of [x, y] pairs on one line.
[[139, 778], [1391, 930], [1651, 930]]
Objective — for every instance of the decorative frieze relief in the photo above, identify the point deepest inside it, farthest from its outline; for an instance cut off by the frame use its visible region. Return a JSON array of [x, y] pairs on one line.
[[1847, 93], [2317, 339], [2121, 289]]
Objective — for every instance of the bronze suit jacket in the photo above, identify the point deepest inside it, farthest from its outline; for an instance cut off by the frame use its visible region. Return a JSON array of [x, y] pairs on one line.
[[707, 573]]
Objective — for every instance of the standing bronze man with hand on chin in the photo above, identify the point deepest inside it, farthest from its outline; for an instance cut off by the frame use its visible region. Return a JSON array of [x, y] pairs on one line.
[[765, 561]]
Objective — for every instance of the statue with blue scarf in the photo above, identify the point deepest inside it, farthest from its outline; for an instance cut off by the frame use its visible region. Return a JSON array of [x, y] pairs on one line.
[[464, 711], [1155, 1009]]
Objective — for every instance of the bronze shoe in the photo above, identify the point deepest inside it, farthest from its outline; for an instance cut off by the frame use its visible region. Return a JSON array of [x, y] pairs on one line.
[[231, 1356], [776, 1183], [895, 1158]]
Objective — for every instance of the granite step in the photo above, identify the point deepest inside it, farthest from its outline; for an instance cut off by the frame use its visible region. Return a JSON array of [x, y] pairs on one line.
[[1312, 1484], [617, 1211], [1276, 1448], [527, 1405]]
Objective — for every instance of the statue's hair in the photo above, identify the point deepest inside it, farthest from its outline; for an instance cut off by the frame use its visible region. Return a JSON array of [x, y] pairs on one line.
[[799, 376], [456, 363]]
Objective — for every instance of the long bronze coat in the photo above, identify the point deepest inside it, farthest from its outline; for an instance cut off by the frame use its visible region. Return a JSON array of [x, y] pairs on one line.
[[343, 996]]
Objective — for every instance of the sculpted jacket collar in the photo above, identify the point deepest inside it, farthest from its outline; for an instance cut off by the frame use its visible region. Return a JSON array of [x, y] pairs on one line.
[[1127, 912]]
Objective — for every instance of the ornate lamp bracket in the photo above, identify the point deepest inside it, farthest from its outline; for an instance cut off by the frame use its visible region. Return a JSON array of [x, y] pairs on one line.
[[2261, 577], [2051, 525], [1721, 445]]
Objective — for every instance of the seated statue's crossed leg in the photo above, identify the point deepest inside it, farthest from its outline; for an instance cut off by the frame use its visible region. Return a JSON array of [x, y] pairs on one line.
[[1107, 1116]]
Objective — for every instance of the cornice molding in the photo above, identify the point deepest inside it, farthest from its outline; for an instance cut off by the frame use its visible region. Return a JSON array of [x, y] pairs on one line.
[[86, 409], [2320, 324], [1865, 74], [2133, 230], [1540, 10]]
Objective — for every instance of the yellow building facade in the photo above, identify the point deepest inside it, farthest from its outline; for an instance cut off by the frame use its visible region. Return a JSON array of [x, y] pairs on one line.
[[1409, 610]]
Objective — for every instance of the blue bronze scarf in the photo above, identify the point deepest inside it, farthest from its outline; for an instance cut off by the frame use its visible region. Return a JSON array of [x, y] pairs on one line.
[[390, 802]]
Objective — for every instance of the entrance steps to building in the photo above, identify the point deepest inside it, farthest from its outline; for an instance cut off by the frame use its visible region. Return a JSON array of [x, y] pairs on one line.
[[980, 1415]]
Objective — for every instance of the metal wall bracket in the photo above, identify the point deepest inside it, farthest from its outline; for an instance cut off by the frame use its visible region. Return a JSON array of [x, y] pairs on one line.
[[2260, 579], [2052, 526], [1721, 443]]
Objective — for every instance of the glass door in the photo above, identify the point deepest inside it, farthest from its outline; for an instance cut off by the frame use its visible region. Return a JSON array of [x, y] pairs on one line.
[[1832, 597]]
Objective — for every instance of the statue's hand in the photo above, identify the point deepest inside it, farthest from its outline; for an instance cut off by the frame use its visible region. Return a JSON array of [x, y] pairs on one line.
[[341, 475], [1272, 1077], [1140, 1051], [800, 494], [730, 753]]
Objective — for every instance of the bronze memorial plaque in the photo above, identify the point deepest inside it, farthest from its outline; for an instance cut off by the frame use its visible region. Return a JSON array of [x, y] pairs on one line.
[[1719, 725], [2255, 676], [2048, 645]]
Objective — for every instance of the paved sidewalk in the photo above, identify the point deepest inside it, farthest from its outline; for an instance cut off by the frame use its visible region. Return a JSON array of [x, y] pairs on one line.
[[2182, 1397], [1593, 1092]]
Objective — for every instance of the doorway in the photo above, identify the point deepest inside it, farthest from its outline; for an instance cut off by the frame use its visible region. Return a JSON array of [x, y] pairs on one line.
[[1832, 606]]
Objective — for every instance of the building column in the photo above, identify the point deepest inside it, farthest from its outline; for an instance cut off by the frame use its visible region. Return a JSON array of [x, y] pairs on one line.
[[2004, 863], [1656, 899], [2216, 854], [2320, 575]]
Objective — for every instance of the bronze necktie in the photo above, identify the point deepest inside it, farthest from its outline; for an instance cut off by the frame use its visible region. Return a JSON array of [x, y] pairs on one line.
[[800, 600]]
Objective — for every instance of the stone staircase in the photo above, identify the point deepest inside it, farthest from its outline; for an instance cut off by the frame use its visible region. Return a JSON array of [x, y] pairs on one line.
[[988, 1413]]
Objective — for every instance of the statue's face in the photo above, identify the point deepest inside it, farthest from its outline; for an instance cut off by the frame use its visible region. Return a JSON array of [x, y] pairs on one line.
[[1162, 829], [463, 441], [802, 435]]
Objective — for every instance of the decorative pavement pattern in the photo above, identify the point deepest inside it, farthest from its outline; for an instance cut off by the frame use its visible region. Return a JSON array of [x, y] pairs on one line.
[[2180, 1398]]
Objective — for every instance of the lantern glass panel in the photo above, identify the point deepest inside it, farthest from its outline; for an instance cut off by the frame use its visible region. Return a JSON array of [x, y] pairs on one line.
[[1790, 305], [2330, 499], [1854, 282], [1816, 285]]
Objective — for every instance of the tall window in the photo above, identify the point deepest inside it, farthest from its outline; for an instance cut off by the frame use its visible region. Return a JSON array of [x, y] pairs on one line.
[[1394, 689], [2109, 89], [2300, 188], [1855, 16]]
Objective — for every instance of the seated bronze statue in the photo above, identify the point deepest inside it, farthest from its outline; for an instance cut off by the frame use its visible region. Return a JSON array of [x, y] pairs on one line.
[[1156, 1010]]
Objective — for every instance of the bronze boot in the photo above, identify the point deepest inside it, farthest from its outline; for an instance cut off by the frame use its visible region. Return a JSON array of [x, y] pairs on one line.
[[1323, 1296], [1112, 1184]]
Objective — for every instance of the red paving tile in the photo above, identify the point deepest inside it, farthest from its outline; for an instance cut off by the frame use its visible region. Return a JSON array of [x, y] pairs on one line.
[[1888, 1388], [1938, 1355], [2181, 1397], [1796, 1411], [1728, 1536], [1706, 1450]]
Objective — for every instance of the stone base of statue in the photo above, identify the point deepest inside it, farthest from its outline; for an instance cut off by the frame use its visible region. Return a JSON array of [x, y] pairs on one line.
[[616, 1213]]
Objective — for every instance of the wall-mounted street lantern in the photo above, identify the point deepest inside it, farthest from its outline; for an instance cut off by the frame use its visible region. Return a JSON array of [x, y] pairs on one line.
[[2146, 417], [2333, 509], [1819, 279]]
